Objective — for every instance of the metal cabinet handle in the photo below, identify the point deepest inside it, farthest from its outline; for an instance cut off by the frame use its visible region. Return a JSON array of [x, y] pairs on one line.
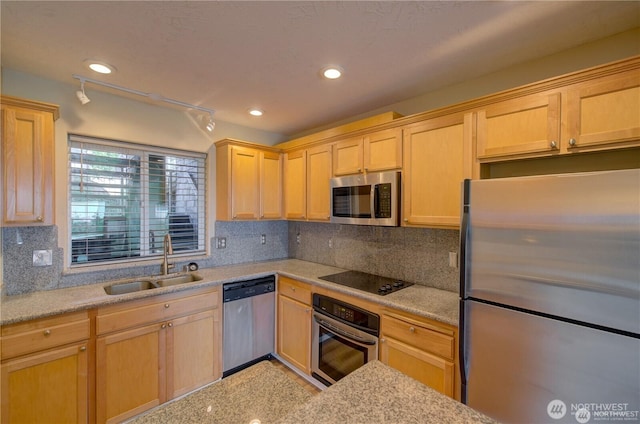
[[412, 329], [83, 348], [553, 145], [47, 333], [293, 288], [572, 142], [170, 324], [382, 340], [166, 305], [163, 326], [39, 218], [359, 169]]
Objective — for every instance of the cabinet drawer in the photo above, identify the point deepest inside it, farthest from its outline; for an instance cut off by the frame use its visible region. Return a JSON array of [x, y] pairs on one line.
[[34, 336], [294, 289], [156, 309], [419, 336]]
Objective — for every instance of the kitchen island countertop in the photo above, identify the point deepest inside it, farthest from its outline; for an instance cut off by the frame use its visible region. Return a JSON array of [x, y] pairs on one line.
[[376, 393], [429, 302]]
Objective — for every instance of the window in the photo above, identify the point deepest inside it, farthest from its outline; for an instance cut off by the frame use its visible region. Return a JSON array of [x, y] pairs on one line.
[[124, 198]]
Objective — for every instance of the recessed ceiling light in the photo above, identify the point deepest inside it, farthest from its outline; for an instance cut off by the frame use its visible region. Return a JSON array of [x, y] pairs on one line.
[[332, 72], [256, 112], [100, 67]]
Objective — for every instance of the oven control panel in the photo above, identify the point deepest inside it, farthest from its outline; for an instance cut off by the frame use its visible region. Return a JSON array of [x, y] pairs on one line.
[[364, 320]]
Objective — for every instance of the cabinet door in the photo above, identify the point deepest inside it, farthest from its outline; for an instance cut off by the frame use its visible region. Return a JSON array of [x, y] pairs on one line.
[[295, 189], [437, 157], [130, 372], [527, 126], [294, 333], [383, 150], [245, 181], [46, 387], [318, 178], [271, 185], [428, 369], [27, 158], [348, 157], [605, 112], [192, 346]]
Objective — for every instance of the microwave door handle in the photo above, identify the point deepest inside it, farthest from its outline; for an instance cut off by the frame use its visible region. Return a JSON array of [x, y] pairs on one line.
[[375, 200]]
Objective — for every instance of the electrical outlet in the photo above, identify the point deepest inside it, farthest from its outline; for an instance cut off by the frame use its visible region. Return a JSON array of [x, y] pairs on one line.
[[263, 239], [330, 243], [222, 243], [453, 259], [298, 238], [42, 258]]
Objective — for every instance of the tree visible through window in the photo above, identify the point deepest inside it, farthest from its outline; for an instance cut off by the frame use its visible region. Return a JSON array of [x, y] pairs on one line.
[[124, 198]]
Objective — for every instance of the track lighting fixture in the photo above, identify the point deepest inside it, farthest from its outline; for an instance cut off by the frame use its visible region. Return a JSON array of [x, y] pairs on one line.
[[153, 96], [211, 125], [80, 94]]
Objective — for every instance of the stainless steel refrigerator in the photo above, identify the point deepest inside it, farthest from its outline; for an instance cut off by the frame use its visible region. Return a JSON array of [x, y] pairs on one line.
[[550, 297]]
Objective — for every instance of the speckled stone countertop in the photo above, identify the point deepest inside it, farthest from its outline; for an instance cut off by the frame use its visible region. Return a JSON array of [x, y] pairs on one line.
[[429, 302], [376, 393], [261, 392]]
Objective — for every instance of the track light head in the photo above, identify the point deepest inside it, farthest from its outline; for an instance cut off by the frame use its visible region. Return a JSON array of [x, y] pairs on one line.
[[81, 96], [211, 125]]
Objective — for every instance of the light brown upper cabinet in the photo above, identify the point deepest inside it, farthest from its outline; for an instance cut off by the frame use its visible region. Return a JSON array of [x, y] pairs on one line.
[[28, 162], [248, 182], [306, 183], [378, 151], [594, 111], [528, 125], [295, 185], [437, 157], [318, 177], [604, 113]]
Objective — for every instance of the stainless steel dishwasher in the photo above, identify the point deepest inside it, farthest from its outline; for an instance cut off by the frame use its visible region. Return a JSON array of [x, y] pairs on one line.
[[249, 322]]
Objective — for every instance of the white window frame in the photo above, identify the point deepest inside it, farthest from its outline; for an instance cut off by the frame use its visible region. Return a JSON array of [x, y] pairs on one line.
[[144, 239]]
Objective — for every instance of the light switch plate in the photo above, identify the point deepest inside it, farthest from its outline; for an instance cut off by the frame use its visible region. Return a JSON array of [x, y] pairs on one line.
[[453, 259], [42, 258]]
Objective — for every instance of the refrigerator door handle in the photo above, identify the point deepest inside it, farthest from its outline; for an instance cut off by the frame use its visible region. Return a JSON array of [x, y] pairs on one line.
[[462, 356], [464, 234]]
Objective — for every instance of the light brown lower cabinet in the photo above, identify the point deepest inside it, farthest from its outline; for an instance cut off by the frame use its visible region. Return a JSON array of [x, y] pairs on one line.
[[44, 371], [294, 323], [420, 348], [153, 350]]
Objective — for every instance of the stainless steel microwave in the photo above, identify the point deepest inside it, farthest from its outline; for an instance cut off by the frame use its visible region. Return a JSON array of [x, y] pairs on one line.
[[368, 199]]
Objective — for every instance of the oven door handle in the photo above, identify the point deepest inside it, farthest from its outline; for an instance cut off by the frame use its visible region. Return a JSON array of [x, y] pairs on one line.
[[344, 333]]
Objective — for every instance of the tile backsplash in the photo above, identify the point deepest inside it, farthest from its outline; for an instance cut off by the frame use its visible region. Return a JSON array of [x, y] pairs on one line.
[[413, 254], [418, 255]]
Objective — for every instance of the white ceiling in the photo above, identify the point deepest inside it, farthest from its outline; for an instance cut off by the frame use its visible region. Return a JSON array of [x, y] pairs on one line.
[[233, 55]]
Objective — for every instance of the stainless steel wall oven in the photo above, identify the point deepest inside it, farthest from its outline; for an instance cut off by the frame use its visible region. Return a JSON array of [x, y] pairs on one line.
[[344, 338]]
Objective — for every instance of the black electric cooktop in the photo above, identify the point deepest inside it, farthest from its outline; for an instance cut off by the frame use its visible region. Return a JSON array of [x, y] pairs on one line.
[[367, 282]]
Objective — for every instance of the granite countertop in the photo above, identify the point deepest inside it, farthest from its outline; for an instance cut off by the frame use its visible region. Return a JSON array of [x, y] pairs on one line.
[[429, 302], [376, 393], [259, 394]]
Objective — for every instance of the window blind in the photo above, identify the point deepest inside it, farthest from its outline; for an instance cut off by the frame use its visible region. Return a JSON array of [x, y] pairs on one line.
[[125, 197]]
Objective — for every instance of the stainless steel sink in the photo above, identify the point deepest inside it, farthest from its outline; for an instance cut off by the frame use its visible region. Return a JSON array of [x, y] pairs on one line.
[[178, 279], [130, 287], [148, 283]]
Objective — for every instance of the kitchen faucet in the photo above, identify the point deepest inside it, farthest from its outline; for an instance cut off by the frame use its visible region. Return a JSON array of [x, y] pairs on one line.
[[167, 248]]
